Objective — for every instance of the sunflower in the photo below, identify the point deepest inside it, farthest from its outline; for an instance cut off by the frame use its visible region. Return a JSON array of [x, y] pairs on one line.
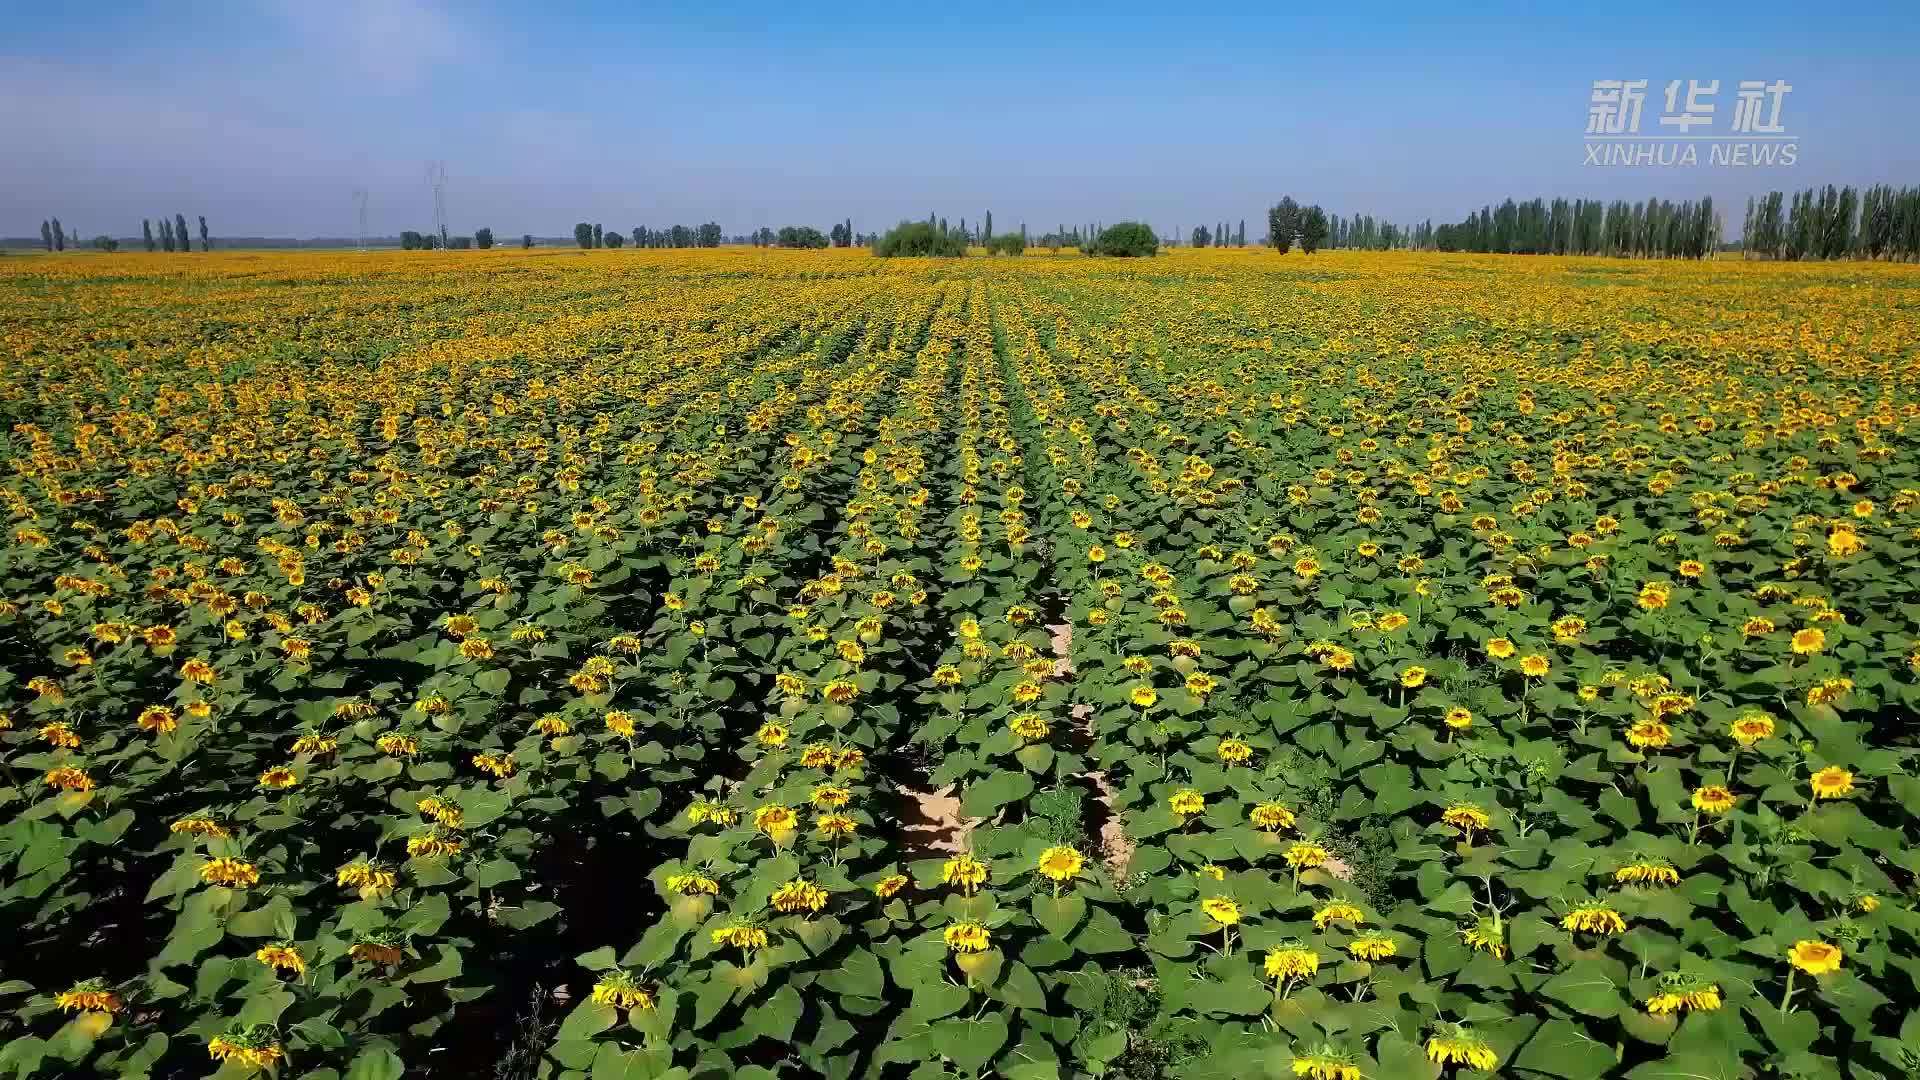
[[1649, 732], [964, 871], [230, 872], [1306, 855], [740, 935], [1292, 960], [1594, 919], [775, 820], [1456, 1044], [365, 876], [1683, 993], [1751, 728], [1143, 696], [279, 778], [1338, 912], [1325, 1065], [1815, 957], [619, 990], [158, 719], [1487, 935], [798, 896], [1372, 947], [1060, 863], [1645, 873], [1234, 751], [255, 1048], [1186, 802], [1412, 676], [1500, 648], [282, 956], [1809, 640], [1534, 666], [966, 937], [1271, 816], [196, 825], [1831, 782], [1222, 910], [89, 995], [887, 886]]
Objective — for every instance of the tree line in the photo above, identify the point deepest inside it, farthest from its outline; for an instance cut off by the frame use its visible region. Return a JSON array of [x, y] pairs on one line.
[[173, 236], [1882, 222], [674, 236], [1879, 222]]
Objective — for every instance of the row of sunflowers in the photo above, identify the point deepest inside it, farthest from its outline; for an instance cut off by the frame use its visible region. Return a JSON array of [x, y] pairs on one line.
[[1377, 666]]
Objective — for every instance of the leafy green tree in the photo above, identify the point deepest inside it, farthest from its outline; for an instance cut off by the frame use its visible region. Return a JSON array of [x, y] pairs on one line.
[[46, 236], [1200, 236], [919, 238], [1126, 240], [60, 238], [206, 242], [708, 235], [483, 238], [180, 234], [526, 240], [146, 232], [598, 237], [802, 236], [1283, 224], [1007, 244], [583, 234], [614, 239], [1313, 229], [106, 243], [166, 235]]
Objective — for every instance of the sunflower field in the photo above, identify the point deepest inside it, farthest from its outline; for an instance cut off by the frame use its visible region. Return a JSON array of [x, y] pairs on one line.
[[739, 663]]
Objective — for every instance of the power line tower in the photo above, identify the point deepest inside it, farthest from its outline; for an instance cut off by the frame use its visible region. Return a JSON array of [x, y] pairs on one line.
[[437, 179], [360, 204]]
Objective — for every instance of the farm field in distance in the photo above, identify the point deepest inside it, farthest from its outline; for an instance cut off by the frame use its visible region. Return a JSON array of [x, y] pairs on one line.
[[776, 664]]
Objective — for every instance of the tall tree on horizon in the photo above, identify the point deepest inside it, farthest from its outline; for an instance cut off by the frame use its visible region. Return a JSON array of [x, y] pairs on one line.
[[59, 237], [1283, 224], [181, 236], [46, 234], [146, 232], [986, 231], [206, 244], [599, 237]]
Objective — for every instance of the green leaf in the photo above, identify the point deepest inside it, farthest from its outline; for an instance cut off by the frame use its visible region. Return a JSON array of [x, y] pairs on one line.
[[858, 974], [376, 1063], [1561, 1048]]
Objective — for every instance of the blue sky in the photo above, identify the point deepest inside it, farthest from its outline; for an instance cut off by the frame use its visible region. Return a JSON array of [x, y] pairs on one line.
[[265, 115]]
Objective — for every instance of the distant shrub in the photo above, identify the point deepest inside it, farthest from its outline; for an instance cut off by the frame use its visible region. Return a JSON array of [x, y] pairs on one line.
[[1007, 244], [919, 238], [802, 236], [1129, 239]]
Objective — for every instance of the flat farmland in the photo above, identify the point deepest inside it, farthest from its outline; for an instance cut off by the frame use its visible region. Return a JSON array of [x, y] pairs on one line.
[[747, 663]]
